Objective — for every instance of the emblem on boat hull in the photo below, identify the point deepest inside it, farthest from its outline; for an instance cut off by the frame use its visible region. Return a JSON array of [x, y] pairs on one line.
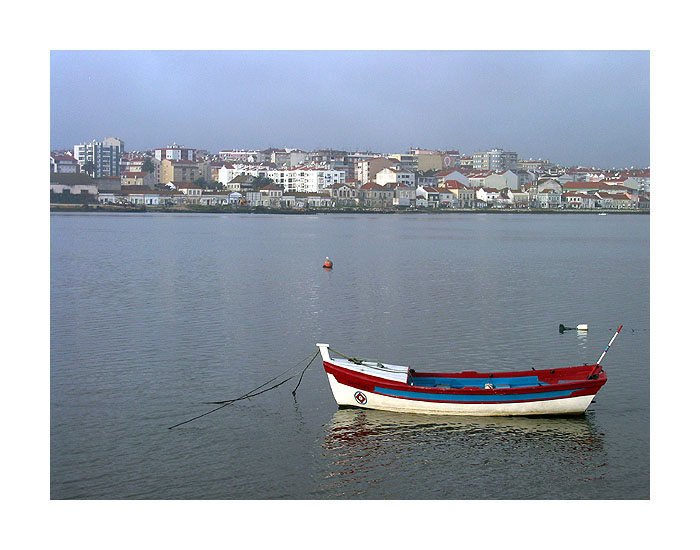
[[361, 398]]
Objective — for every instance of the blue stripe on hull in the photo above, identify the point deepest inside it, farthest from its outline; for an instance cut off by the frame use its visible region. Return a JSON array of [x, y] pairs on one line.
[[423, 396], [456, 383]]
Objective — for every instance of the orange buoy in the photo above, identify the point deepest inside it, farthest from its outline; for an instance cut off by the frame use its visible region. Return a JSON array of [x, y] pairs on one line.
[[328, 264]]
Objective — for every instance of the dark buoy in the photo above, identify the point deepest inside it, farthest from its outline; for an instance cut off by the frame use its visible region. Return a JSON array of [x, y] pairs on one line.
[[327, 264]]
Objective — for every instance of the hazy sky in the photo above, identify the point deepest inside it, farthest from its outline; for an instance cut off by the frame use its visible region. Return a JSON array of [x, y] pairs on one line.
[[571, 107]]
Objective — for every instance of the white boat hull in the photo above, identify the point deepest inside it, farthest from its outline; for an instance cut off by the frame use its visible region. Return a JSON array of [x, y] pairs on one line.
[[345, 396]]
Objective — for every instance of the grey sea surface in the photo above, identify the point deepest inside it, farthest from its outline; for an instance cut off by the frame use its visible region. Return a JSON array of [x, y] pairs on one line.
[[153, 315]]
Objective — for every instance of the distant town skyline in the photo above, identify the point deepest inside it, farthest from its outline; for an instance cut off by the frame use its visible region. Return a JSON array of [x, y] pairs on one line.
[[586, 108]]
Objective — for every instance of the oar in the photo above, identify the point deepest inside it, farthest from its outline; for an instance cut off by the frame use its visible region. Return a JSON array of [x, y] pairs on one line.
[[608, 346]]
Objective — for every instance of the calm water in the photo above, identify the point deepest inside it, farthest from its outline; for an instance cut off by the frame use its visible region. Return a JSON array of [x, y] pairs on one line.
[[152, 315]]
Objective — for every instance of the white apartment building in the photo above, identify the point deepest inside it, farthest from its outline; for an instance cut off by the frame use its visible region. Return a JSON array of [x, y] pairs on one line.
[[175, 152], [394, 175], [366, 169], [502, 180], [228, 172], [495, 159], [306, 179], [103, 155], [487, 194]]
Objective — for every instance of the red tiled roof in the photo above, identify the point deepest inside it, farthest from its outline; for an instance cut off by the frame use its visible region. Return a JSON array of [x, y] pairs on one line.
[[63, 157], [454, 184], [141, 174]]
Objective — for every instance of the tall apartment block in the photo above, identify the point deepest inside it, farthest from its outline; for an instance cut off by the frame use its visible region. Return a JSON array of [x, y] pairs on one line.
[[495, 159], [175, 152], [104, 156]]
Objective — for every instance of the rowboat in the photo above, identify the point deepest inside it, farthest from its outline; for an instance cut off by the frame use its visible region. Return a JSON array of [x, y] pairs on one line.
[[376, 385]]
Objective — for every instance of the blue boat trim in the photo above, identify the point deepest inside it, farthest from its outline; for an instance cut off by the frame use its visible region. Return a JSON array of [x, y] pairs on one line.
[[456, 383], [463, 398]]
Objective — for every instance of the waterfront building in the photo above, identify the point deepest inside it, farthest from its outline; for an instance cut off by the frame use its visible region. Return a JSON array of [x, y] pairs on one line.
[[214, 167], [553, 184], [271, 195], [192, 191], [525, 178], [489, 195], [375, 196], [142, 178], [214, 198], [505, 179], [396, 175], [353, 159], [140, 195], [608, 186], [605, 200], [495, 159], [463, 194], [446, 198], [430, 181], [366, 170], [102, 155], [312, 200], [242, 182], [453, 174], [228, 172], [178, 170], [404, 195], [306, 179], [343, 194], [73, 184], [548, 198], [622, 201], [61, 163], [235, 198], [519, 199], [430, 196], [476, 178], [571, 199]]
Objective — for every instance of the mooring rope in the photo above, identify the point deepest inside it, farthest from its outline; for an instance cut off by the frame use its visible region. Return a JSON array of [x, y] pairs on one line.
[[251, 393]]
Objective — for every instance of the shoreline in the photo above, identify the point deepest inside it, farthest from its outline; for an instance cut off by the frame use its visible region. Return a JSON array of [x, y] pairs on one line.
[[140, 209]]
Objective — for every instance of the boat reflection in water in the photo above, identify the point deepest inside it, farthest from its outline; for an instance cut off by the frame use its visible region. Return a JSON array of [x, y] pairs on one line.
[[438, 457]]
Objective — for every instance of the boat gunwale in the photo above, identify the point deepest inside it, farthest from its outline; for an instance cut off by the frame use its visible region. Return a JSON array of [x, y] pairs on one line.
[[577, 385]]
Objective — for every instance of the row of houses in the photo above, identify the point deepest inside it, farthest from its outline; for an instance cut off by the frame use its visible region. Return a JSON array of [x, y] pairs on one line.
[[298, 171], [370, 195]]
